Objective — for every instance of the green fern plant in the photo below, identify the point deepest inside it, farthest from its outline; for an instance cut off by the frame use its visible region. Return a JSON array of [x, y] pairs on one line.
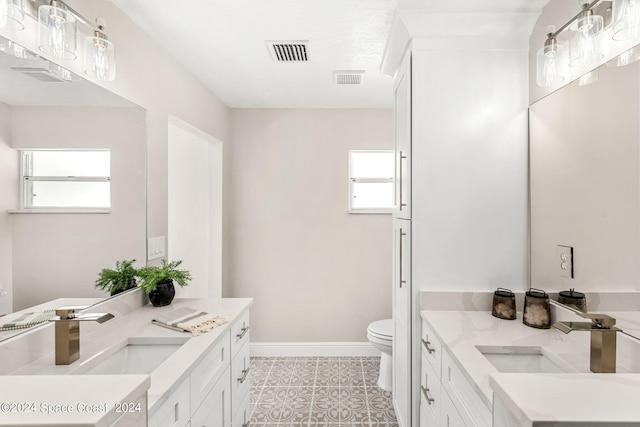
[[150, 276], [117, 280]]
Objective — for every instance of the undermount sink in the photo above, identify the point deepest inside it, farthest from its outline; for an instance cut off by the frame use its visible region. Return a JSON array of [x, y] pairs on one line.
[[137, 356], [514, 359]]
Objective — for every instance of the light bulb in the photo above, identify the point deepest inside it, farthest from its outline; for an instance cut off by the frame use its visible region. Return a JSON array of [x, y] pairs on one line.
[[12, 14], [57, 31], [99, 55]]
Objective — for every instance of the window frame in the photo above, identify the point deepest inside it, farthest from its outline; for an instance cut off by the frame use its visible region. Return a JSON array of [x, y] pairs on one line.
[[352, 181], [27, 178]]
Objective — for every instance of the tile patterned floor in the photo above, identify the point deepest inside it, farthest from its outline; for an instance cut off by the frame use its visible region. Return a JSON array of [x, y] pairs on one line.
[[318, 392]]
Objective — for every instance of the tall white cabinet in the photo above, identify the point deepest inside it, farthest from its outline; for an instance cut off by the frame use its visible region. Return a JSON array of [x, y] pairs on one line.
[[460, 220]]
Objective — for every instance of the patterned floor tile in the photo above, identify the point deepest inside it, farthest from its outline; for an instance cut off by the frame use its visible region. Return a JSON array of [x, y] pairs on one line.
[[318, 392]]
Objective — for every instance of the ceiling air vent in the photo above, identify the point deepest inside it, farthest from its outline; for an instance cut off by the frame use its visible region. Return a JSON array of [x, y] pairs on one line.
[[289, 51], [348, 77]]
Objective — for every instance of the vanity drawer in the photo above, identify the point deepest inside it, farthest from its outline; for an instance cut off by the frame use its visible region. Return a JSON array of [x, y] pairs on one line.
[[464, 397], [450, 416], [205, 375], [430, 391], [240, 376], [431, 347], [239, 333], [174, 412], [242, 416], [215, 410]]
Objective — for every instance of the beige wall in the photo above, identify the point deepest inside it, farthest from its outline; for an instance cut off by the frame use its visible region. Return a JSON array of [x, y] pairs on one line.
[[585, 183], [317, 273], [59, 255]]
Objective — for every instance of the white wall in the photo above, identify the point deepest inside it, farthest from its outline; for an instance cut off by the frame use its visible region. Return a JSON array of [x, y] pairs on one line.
[[317, 273], [469, 228], [9, 191], [59, 255]]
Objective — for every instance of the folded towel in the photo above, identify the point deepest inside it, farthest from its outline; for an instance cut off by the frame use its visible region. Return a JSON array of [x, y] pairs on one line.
[[27, 320], [189, 320]]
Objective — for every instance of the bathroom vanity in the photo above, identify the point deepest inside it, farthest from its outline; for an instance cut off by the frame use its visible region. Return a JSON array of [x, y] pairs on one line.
[[132, 372], [478, 370]]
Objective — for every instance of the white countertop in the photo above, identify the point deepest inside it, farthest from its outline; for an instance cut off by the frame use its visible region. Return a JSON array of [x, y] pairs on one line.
[[541, 397], [96, 341]]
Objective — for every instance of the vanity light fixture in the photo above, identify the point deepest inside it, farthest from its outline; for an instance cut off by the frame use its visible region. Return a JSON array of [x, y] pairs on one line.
[[584, 44], [99, 54], [12, 14], [626, 19], [58, 29]]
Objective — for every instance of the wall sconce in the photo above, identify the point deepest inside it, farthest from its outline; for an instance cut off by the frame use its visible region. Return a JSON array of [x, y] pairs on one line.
[[584, 45], [626, 19], [12, 14], [58, 30], [549, 62], [99, 54]]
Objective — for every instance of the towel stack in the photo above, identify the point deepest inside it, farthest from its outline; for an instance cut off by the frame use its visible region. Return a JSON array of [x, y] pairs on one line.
[[189, 320]]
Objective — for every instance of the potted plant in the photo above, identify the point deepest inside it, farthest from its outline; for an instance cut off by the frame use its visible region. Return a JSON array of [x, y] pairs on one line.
[[117, 280], [157, 281]]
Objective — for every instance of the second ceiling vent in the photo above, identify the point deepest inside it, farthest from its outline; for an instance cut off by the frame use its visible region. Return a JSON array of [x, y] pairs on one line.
[[289, 51]]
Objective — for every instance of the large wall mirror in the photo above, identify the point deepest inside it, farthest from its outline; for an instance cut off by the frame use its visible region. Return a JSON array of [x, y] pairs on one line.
[[45, 256], [585, 184]]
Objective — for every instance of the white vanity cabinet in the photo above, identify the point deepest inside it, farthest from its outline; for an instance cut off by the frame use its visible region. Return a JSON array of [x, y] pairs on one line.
[[216, 392], [447, 398]]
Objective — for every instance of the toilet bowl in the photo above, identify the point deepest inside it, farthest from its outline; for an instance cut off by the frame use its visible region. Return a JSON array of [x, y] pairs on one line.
[[380, 334]]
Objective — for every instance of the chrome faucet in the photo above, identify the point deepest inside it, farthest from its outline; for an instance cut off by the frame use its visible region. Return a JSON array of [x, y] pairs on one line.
[[68, 332], [603, 339]]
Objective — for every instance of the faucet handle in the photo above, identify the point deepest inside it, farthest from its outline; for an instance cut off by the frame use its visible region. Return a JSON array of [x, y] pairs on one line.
[[600, 320]]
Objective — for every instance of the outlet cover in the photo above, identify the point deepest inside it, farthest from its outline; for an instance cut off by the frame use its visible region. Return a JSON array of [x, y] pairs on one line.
[[564, 261]]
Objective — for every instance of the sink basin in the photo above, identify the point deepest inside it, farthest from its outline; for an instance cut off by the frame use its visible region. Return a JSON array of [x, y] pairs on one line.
[[523, 360], [137, 356]]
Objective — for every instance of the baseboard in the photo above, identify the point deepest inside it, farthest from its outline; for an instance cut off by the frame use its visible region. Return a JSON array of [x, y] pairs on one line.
[[310, 349]]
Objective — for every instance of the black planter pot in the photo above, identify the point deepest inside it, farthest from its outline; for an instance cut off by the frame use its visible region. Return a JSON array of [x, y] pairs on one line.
[[163, 295]]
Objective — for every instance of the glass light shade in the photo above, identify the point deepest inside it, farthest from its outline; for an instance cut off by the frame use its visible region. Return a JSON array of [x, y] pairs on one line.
[[99, 58], [626, 19], [625, 58], [12, 14], [585, 47], [550, 66], [57, 32], [588, 78]]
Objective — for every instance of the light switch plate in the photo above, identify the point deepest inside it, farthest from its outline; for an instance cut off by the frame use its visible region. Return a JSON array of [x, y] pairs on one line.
[[564, 261], [156, 247]]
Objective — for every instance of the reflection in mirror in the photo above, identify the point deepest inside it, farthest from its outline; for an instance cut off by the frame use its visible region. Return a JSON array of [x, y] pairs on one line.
[[57, 256], [585, 186]]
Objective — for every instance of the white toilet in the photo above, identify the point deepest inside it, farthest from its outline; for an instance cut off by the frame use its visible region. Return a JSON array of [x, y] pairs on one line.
[[380, 334]]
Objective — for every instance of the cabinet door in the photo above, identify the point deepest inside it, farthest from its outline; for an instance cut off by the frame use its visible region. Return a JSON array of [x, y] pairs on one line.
[[402, 202], [215, 410], [401, 356]]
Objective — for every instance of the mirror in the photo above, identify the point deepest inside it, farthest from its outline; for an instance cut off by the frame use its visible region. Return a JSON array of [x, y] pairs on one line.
[[585, 186], [44, 256]]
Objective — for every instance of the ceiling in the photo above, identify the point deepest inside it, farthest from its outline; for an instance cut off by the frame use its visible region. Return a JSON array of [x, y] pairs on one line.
[[224, 44]]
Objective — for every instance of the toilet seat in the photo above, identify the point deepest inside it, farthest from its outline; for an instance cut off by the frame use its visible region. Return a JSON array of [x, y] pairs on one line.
[[381, 330]]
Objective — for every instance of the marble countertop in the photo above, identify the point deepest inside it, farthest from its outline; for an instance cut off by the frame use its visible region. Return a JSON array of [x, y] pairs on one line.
[[97, 340], [462, 331]]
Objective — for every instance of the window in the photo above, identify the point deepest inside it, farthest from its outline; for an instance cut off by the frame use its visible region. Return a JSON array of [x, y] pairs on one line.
[[370, 181], [65, 180]]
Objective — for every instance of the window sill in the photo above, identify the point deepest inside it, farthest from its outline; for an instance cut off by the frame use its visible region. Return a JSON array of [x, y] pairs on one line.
[[61, 211]]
